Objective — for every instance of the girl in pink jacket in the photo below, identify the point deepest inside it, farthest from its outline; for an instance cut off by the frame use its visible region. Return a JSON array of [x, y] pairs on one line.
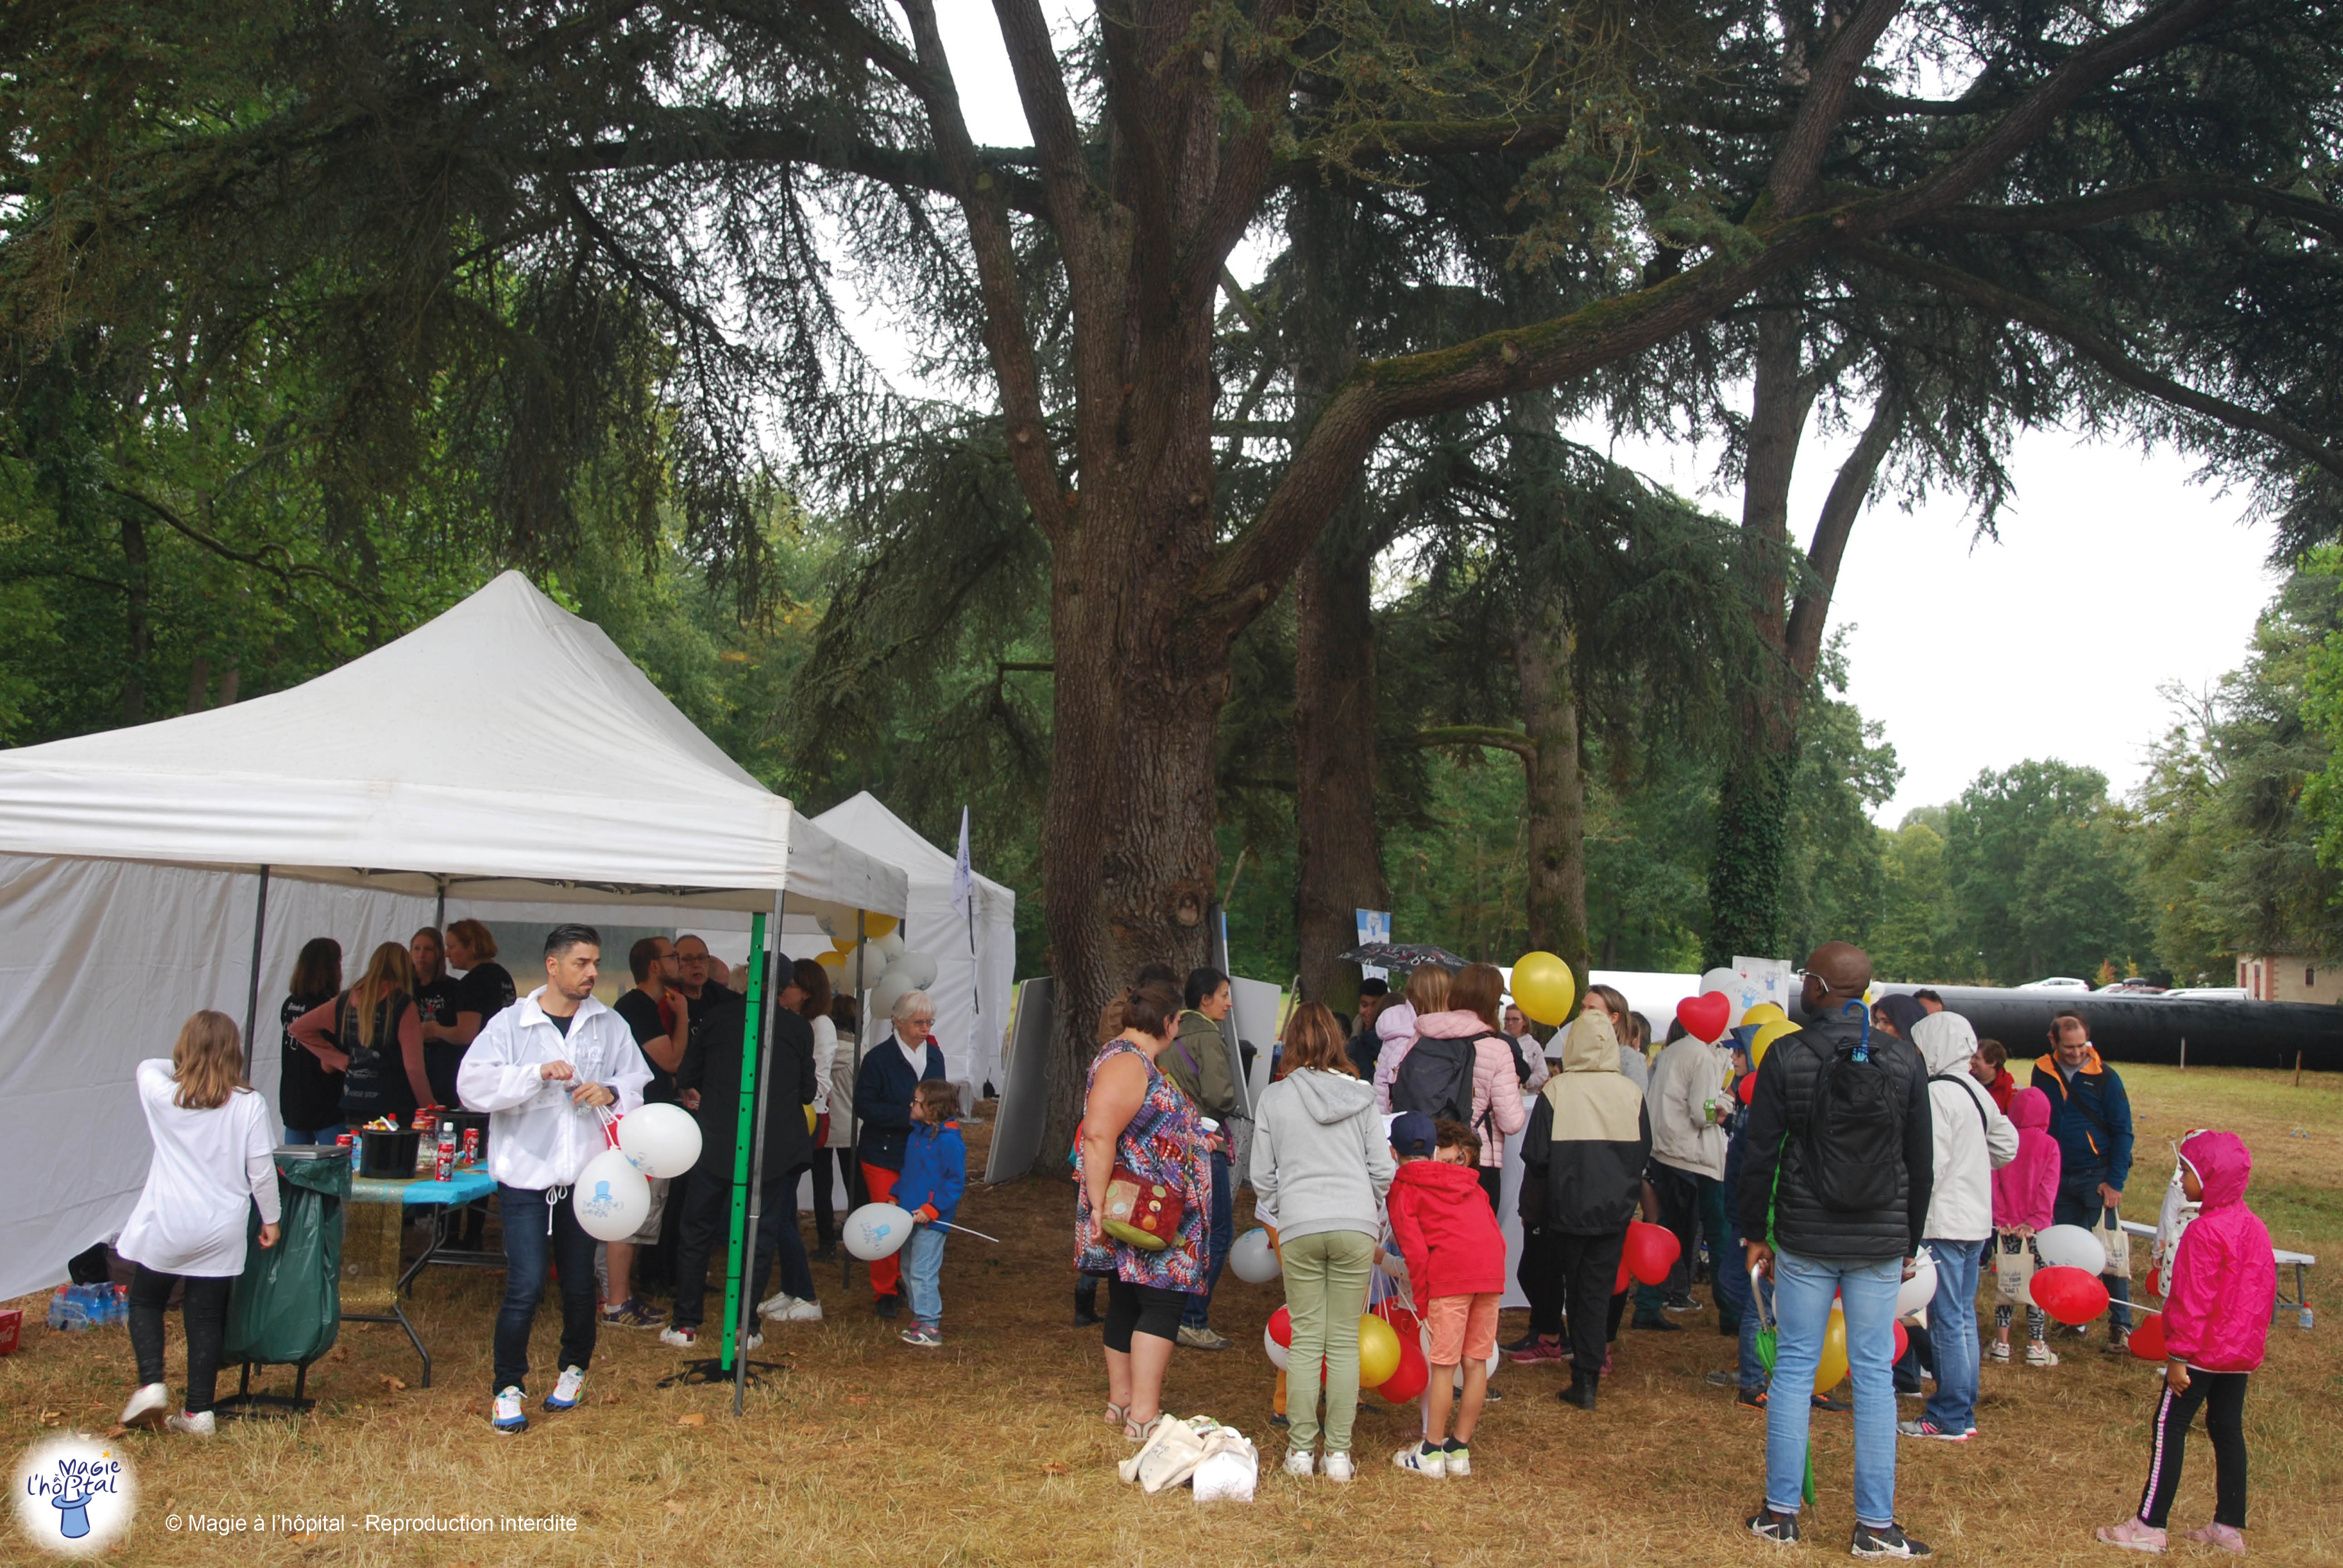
[[1475, 1003], [2216, 1318], [2024, 1194]]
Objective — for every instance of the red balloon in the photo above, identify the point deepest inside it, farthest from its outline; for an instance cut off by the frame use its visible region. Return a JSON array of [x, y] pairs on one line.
[[1281, 1327], [2148, 1337], [1404, 1322], [1413, 1373], [1651, 1252], [2073, 1296], [1705, 1015], [1903, 1340]]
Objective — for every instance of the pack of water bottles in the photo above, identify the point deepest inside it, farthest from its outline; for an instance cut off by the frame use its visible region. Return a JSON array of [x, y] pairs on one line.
[[77, 1307]]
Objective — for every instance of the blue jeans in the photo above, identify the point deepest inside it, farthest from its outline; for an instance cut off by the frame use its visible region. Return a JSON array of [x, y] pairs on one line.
[[1753, 1370], [537, 1232], [1802, 1288], [2081, 1205], [923, 1273], [314, 1134], [1953, 1333], [1219, 1232]]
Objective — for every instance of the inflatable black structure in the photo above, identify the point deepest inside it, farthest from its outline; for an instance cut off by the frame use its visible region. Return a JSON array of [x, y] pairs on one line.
[[2217, 1032]]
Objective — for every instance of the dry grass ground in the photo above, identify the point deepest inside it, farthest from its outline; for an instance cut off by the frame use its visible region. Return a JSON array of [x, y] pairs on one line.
[[991, 1451]]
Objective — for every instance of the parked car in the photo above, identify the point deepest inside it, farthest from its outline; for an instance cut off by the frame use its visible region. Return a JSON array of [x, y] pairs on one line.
[[2133, 987], [2210, 993], [2055, 983]]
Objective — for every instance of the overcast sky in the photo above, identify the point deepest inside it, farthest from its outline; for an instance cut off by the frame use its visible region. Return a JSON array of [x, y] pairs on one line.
[[2113, 574]]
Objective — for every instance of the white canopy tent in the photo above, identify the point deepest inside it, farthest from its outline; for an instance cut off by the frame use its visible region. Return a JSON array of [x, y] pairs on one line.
[[976, 956], [505, 754]]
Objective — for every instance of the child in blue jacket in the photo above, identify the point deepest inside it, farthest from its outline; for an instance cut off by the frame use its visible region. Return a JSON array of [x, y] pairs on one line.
[[935, 1173]]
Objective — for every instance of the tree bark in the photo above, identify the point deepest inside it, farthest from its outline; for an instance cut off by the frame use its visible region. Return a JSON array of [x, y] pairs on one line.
[[1338, 859], [1555, 784], [137, 634]]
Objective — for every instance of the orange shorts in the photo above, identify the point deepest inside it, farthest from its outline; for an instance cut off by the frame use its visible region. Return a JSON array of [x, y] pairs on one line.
[[1461, 1327]]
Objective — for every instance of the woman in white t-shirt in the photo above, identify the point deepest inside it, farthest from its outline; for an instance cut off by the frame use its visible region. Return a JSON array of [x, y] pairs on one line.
[[829, 1130], [212, 1163]]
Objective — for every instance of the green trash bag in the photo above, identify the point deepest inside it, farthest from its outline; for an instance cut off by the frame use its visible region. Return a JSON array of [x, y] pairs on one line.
[[287, 1307]]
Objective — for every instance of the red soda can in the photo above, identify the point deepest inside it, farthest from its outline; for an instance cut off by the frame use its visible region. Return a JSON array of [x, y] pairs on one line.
[[346, 1141], [471, 1146], [422, 1122], [446, 1161]]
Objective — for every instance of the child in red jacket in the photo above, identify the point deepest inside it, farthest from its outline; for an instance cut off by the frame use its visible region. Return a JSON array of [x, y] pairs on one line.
[[1441, 1219], [2217, 1317]]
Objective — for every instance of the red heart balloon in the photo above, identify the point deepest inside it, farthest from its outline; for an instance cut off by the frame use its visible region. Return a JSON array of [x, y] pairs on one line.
[[1651, 1252], [1903, 1340], [1704, 1016], [2148, 1337], [2073, 1296]]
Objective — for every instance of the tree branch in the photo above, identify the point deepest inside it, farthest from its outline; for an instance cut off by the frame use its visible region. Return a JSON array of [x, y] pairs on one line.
[[1849, 490], [2107, 207], [1796, 166], [285, 573], [2100, 350], [1489, 735]]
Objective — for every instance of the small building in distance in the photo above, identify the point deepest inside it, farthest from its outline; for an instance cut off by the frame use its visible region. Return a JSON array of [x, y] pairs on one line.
[[2289, 977]]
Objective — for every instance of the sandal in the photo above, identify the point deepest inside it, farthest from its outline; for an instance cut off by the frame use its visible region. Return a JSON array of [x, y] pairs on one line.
[[1141, 1431], [1116, 1414]]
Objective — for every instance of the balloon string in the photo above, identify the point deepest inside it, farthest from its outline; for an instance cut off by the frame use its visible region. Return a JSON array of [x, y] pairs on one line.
[[609, 1125]]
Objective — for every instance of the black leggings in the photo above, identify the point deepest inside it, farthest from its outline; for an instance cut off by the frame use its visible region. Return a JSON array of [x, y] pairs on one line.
[[204, 1307], [2222, 1395], [1142, 1309]]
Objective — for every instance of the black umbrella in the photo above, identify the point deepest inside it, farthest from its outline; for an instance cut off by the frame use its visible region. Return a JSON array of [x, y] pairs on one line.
[[1403, 956]]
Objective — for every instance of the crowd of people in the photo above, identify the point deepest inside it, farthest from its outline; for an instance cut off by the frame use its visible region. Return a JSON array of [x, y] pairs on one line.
[[1805, 1183]]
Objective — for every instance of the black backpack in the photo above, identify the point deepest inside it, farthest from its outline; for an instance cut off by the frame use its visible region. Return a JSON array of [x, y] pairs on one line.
[[1436, 1079], [1854, 1131]]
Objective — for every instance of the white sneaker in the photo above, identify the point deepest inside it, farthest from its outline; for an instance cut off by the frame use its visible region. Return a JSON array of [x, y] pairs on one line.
[[197, 1425], [149, 1406], [802, 1310], [2038, 1354], [682, 1338], [775, 1305], [1414, 1460], [509, 1416], [567, 1390], [1298, 1462], [1337, 1467]]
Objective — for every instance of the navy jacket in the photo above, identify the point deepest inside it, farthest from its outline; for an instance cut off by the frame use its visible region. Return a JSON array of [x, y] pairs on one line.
[[2092, 1123], [883, 1086]]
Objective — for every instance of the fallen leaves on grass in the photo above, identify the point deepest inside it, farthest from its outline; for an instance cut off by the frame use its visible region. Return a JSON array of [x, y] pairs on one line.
[[391, 1383], [1054, 1468], [693, 1420], [51, 1417], [675, 1507]]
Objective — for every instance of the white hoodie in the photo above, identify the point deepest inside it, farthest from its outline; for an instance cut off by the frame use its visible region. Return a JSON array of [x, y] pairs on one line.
[[536, 1137], [1973, 1139], [1689, 1074]]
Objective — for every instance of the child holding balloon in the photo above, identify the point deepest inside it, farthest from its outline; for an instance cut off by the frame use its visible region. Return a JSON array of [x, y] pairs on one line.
[[1441, 1219], [935, 1174], [2216, 1318]]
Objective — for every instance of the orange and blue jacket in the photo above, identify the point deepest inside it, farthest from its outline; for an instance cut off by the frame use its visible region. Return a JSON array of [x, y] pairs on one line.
[[2091, 1120]]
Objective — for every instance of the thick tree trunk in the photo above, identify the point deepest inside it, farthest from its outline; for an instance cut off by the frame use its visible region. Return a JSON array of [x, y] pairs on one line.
[[137, 633], [1555, 784], [1339, 860]]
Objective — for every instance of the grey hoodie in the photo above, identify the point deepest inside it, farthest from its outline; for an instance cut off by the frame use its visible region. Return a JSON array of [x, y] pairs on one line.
[[1320, 1159]]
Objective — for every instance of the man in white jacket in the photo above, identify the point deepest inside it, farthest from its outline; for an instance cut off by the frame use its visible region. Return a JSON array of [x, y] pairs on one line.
[[1973, 1139], [1686, 1097], [542, 1068]]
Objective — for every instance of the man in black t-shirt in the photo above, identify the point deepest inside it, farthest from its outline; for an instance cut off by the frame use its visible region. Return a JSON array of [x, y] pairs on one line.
[[660, 1017], [436, 997]]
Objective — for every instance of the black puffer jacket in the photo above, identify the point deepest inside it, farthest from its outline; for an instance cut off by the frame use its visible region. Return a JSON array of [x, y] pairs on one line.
[[1776, 1138]]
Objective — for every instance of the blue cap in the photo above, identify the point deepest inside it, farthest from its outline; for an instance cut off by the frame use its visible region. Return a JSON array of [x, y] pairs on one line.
[[1413, 1134]]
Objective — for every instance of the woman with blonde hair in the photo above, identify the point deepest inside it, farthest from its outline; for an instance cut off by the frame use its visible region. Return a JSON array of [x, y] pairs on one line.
[[1427, 993], [212, 1164], [372, 1034], [1627, 1024], [1321, 1165]]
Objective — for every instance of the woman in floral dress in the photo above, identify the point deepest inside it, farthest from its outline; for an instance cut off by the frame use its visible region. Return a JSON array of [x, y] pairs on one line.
[[1133, 1115]]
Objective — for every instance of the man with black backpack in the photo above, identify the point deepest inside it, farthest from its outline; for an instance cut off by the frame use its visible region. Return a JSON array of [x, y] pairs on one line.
[[1835, 1189]]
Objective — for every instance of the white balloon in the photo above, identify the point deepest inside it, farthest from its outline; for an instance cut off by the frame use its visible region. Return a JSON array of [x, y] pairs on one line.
[[916, 966], [2070, 1247], [611, 1198], [888, 992], [1919, 1289], [1252, 1258], [891, 946], [660, 1140], [860, 968], [876, 1231], [1275, 1351]]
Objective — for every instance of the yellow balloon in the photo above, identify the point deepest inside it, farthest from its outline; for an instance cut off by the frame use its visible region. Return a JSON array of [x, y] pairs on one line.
[[877, 926], [810, 1119], [1763, 1012], [1378, 1350], [832, 960], [1832, 1368], [841, 944], [1760, 1042], [1544, 987]]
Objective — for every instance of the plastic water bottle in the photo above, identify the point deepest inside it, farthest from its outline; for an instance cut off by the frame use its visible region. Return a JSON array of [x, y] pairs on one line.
[[2302, 1318]]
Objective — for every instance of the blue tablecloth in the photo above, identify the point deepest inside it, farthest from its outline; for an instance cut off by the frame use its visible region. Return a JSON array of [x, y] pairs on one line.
[[462, 1186]]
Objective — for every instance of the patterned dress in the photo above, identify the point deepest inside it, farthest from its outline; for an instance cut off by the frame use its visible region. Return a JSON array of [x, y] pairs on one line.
[[1163, 1144]]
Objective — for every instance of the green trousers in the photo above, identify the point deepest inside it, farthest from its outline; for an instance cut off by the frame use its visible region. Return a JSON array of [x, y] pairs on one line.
[[1325, 1291]]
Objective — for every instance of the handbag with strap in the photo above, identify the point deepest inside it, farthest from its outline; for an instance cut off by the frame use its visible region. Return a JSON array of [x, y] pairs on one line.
[[1145, 1213]]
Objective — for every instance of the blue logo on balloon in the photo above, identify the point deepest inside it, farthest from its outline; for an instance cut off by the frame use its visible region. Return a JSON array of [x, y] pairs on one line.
[[602, 1192]]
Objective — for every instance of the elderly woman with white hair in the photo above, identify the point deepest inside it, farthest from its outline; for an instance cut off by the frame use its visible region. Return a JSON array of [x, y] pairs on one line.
[[891, 1071]]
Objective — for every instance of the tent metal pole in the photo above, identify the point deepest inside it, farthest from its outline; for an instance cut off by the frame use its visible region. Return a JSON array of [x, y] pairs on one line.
[[252, 993], [733, 1271], [854, 1183], [440, 915], [757, 1029]]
